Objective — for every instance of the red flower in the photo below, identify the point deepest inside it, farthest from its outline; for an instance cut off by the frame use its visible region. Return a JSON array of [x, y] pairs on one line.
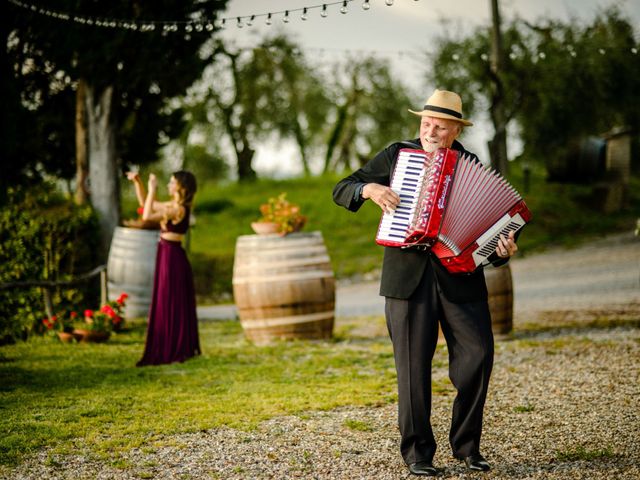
[[47, 323], [140, 210], [122, 298], [73, 315], [108, 310], [88, 313], [54, 319], [116, 320]]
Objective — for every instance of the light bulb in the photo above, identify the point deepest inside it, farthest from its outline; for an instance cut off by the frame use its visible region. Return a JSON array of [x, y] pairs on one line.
[[239, 23], [324, 13], [285, 19], [268, 21], [249, 22], [344, 8], [365, 5], [388, 2], [304, 15]]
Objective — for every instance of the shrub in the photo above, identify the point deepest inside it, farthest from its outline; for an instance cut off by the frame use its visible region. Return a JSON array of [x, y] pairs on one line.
[[43, 236]]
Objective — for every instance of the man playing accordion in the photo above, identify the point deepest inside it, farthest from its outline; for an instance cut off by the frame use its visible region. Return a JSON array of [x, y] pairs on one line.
[[420, 293]]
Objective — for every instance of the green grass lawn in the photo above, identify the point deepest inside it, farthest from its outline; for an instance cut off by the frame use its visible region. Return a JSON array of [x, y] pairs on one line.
[[69, 395], [562, 215]]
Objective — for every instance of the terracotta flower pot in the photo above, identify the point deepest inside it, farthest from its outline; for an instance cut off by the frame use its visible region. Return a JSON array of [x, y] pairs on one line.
[[67, 337], [91, 336], [265, 228]]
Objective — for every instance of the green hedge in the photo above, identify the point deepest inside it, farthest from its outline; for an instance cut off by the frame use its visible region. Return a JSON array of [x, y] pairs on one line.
[[44, 236]]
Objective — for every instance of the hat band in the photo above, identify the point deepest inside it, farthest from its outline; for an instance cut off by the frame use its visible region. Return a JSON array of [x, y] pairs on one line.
[[448, 111]]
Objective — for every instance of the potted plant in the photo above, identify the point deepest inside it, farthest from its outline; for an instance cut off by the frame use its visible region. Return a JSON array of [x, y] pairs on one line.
[[140, 223], [61, 326], [279, 216], [99, 324]]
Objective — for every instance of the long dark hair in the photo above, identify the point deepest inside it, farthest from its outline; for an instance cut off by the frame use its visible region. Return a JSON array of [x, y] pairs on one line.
[[187, 186]]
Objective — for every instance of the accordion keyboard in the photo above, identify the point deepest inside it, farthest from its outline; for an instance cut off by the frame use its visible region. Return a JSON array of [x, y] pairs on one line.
[[406, 181]]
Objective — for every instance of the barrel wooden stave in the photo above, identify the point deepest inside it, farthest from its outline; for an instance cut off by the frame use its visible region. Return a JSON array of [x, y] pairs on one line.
[[500, 290], [131, 267], [500, 287], [284, 287]]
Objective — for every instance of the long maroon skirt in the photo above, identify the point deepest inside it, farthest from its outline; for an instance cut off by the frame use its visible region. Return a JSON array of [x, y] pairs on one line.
[[172, 333]]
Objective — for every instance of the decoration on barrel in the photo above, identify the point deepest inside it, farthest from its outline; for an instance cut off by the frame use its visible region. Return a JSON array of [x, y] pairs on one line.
[[140, 223], [279, 216]]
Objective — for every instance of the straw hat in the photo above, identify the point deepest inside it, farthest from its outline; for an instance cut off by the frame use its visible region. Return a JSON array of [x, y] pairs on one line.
[[444, 104]]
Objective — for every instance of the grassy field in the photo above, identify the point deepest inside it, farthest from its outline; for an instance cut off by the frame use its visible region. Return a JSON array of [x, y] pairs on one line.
[[67, 395], [562, 215], [92, 397]]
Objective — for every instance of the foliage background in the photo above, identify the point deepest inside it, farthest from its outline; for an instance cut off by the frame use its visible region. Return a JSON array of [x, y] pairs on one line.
[[43, 237]]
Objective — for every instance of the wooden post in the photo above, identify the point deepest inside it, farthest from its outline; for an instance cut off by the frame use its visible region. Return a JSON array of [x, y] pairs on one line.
[[104, 288], [498, 145], [48, 305]]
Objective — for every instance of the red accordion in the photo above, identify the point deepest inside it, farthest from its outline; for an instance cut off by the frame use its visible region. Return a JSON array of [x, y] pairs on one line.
[[452, 204]]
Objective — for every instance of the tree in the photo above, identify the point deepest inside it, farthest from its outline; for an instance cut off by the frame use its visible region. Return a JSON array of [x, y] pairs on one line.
[[371, 111], [299, 97], [560, 81], [252, 94], [127, 76]]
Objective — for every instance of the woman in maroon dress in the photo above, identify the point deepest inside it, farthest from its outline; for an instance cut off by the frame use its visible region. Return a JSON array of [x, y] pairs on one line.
[[172, 332]]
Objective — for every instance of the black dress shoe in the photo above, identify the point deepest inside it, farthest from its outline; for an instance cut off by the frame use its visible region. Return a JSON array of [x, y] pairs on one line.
[[425, 469], [477, 463]]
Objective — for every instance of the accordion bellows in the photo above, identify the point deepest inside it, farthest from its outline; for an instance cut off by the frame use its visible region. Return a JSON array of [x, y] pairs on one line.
[[452, 204]]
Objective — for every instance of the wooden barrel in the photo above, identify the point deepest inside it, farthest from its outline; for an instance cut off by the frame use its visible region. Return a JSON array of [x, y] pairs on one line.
[[500, 288], [130, 268], [284, 287]]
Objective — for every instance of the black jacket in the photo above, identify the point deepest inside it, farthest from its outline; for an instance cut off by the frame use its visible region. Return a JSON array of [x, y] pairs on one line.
[[402, 269]]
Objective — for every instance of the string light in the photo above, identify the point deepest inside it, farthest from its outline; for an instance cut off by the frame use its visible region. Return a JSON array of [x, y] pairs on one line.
[[207, 25]]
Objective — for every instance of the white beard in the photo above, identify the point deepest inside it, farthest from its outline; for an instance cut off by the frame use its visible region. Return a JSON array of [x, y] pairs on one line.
[[430, 147]]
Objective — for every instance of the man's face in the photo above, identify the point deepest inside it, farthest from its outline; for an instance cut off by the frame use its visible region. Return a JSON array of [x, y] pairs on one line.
[[437, 133]]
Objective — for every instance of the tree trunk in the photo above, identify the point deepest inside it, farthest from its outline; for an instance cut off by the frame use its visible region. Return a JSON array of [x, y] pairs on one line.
[[334, 138], [82, 171], [498, 145], [302, 145], [245, 170], [103, 172]]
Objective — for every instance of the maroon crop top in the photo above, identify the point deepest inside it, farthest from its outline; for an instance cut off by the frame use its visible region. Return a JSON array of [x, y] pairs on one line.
[[181, 226]]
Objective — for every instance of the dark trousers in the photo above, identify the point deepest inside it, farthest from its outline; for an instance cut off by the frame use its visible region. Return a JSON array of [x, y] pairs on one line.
[[413, 327]]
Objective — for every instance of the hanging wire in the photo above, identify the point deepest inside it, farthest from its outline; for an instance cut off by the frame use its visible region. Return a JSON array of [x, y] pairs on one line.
[[197, 25]]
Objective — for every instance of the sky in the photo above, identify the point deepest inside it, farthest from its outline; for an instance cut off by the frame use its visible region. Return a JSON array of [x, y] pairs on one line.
[[401, 32]]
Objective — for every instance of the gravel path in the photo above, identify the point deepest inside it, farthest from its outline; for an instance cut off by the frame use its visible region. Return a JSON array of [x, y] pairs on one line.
[[564, 401]]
